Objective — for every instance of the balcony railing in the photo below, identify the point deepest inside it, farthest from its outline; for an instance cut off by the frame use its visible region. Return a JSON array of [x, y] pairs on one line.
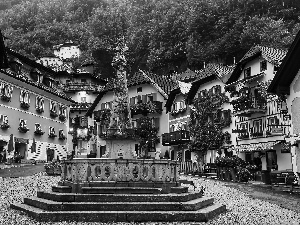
[[80, 106], [116, 133], [69, 87], [247, 105], [147, 107], [176, 138]]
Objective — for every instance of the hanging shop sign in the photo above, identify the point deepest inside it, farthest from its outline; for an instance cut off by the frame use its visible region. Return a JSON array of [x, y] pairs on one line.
[[255, 146], [22, 140]]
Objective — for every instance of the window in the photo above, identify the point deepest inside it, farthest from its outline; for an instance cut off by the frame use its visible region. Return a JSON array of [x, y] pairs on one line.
[[263, 65], [39, 104], [6, 92], [38, 129], [139, 89], [83, 80], [247, 72], [150, 98], [23, 126], [68, 81], [51, 132], [61, 135], [273, 125], [257, 128], [4, 122], [24, 99], [53, 108], [83, 99]]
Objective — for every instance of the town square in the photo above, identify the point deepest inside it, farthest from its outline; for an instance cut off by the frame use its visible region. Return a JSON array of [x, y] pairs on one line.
[[124, 112]]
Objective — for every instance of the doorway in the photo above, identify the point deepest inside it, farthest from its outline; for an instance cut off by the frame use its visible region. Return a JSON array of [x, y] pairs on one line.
[[271, 158], [50, 154], [20, 150]]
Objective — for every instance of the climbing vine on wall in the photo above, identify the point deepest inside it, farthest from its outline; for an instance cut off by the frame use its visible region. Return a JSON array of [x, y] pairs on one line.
[[205, 133]]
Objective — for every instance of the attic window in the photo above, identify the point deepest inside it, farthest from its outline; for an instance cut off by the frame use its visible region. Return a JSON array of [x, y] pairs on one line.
[[263, 66], [247, 72], [139, 89]]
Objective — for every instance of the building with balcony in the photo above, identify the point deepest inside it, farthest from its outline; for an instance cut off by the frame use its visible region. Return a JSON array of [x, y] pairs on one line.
[[147, 96], [261, 119], [202, 84], [286, 84], [34, 111]]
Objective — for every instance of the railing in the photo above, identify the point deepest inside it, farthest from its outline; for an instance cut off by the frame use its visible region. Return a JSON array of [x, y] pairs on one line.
[[81, 86], [176, 137], [114, 170], [147, 107], [80, 106], [248, 103], [190, 167]]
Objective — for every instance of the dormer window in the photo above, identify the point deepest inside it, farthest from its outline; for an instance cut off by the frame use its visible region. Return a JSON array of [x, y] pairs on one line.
[[263, 65], [16, 65], [247, 72], [24, 99], [36, 75]]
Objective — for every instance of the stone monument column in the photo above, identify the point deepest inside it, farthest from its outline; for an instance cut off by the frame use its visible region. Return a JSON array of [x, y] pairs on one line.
[[120, 140]]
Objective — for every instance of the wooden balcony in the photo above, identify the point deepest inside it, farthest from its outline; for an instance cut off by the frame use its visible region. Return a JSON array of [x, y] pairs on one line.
[[73, 87], [80, 106], [175, 138], [146, 108], [246, 106]]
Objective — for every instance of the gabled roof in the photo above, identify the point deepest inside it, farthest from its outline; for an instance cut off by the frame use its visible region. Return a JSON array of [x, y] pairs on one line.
[[36, 66], [287, 70], [162, 84], [210, 72], [272, 55]]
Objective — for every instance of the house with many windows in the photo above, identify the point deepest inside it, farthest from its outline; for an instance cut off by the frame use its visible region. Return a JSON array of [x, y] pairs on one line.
[[286, 84], [261, 119], [147, 96], [204, 84], [34, 111]]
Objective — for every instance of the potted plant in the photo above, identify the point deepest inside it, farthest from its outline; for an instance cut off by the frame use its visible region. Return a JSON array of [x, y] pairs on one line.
[[53, 168], [243, 174]]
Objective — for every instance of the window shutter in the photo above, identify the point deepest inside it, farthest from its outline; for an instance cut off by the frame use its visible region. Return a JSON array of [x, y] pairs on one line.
[[132, 101], [156, 122], [210, 92], [95, 128], [154, 96], [139, 99], [218, 91], [102, 105], [144, 98]]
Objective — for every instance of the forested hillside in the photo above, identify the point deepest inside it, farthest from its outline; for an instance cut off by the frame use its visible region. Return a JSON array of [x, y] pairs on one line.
[[162, 35]]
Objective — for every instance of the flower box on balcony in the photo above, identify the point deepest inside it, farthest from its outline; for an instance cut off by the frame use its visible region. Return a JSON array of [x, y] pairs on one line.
[[53, 114], [257, 134], [5, 126], [39, 132], [247, 105], [5, 98], [146, 107], [23, 129], [52, 135], [244, 136], [62, 117], [24, 105], [39, 109]]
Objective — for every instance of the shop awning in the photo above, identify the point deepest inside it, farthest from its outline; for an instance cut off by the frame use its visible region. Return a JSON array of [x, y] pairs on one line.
[[255, 146]]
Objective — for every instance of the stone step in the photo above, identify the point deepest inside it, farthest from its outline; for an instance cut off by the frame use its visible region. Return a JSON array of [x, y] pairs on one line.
[[120, 190], [201, 215], [73, 197], [50, 205], [62, 189]]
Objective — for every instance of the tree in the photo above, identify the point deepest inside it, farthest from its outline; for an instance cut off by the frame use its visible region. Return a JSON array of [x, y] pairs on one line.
[[205, 133]]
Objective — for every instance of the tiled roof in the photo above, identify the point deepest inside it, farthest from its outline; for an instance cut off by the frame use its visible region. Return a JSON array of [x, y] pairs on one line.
[[161, 83], [272, 55]]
